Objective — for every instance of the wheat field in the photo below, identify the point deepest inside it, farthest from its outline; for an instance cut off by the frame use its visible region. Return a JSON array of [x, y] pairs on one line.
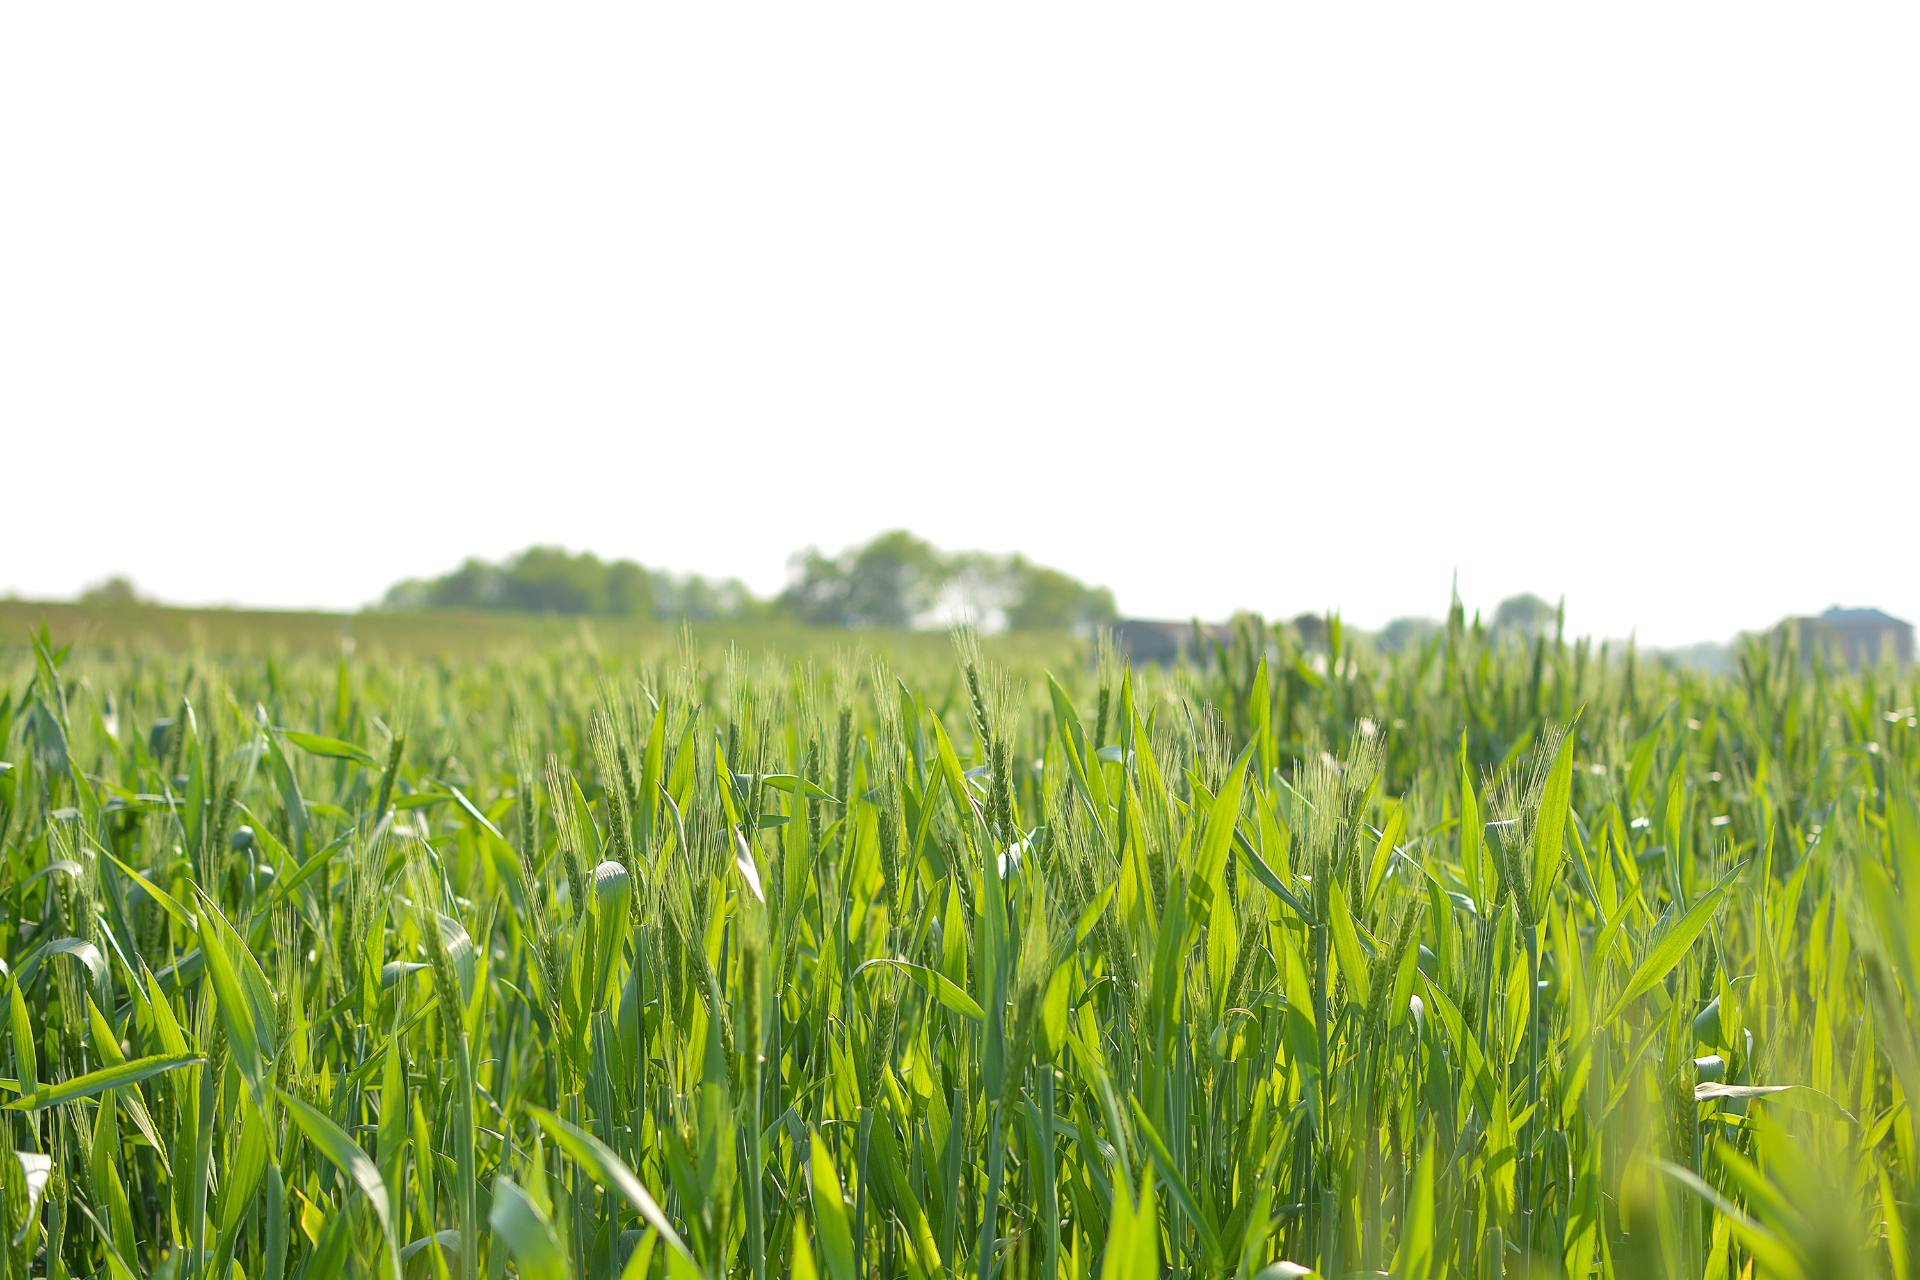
[[1492, 958]]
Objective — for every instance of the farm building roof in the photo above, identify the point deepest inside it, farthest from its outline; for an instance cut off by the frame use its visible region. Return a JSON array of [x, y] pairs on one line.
[[1862, 617]]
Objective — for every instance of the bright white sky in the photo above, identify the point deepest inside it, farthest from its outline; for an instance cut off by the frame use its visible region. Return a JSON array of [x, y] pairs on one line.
[[1284, 307]]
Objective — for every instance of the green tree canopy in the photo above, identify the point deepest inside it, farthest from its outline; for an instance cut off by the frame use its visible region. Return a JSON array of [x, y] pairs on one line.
[[546, 579], [1525, 614], [1404, 634], [1046, 599], [899, 580], [115, 591], [895, 580]]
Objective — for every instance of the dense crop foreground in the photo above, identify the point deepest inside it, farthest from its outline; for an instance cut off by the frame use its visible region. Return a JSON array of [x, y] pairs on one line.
[[1493, 959]]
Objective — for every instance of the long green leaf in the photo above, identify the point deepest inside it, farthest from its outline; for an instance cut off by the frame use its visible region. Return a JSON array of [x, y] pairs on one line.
[[331, 1141], [607, 1169], [1672, 945], [528, 1234], [117, 1076]]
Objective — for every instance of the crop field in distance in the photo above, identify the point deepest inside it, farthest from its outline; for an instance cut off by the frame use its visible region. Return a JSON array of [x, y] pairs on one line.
[[455, 954]]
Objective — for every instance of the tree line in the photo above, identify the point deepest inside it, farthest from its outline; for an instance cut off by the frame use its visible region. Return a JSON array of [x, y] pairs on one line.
[[895, 580]]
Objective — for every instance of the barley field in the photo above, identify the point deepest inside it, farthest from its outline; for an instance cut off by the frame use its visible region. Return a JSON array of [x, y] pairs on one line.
[[561, 959]]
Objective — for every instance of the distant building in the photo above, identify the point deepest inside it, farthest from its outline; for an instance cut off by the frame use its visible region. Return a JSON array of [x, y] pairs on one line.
[[1147, 640], [1856, 637]]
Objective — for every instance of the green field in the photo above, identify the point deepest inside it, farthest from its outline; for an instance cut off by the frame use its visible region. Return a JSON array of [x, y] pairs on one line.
[[483, 947], [377, 635]]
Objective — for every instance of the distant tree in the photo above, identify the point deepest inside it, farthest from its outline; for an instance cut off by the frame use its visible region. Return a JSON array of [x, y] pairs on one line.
[[117, 591], [699, 598], [817, 590], [631, 591], [1525, 614], [895, 580], [474, 585], [732, 598], [892, 581], [1311, 629], [550, 580], [899, 580], [978, 591], [1404, 634], [537, 580], [1044, 599]]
